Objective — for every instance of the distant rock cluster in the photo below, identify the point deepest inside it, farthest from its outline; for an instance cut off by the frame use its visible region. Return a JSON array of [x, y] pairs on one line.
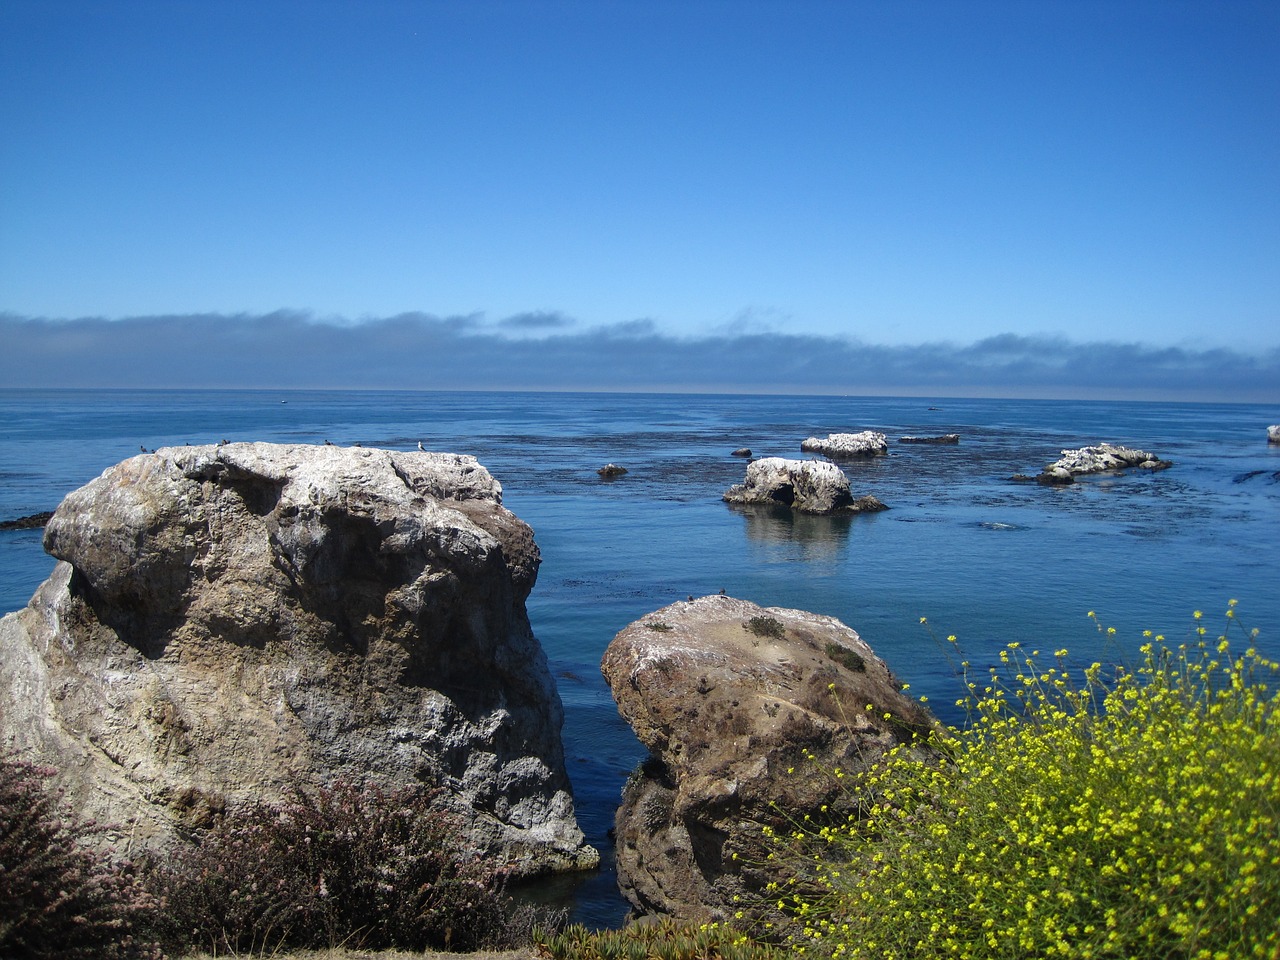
[[1101, 458]]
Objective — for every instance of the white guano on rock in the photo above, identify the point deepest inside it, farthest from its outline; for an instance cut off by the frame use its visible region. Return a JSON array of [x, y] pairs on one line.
[[806, 486], [848, 446]]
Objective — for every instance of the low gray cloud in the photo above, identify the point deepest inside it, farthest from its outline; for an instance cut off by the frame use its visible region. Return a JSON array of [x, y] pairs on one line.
[[424, 351], [536, 321]]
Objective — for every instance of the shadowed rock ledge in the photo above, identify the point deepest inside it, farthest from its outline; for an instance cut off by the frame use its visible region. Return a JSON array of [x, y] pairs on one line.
[[728, 697], [228, 623]]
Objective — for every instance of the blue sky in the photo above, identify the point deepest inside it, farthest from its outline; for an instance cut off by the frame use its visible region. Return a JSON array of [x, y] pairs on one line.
[[1087, 178]]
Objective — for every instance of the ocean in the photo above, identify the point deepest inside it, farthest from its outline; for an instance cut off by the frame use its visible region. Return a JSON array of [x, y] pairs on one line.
[[978, 556]]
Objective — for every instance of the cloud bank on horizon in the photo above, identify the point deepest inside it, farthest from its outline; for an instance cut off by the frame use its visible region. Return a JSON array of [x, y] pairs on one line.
[[551, 351], [861, 195]]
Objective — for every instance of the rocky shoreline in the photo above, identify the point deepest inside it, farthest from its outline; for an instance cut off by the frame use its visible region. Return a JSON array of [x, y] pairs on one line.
[[228, 623]]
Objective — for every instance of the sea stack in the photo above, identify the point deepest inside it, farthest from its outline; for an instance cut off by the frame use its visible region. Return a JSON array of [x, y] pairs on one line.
[[228, 623], [806, 486]]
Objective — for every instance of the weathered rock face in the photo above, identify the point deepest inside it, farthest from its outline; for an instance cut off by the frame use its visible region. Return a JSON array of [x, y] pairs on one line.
[[1099, 459], [230, 622], [808, 486], [1273, 433], [845, 446], [728, 697]]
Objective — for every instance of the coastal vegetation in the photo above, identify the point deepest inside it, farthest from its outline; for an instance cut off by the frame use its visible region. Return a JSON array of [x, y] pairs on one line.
[[1082, 811], [361, 869], [1123, 812], [365, 867], [58, 896]]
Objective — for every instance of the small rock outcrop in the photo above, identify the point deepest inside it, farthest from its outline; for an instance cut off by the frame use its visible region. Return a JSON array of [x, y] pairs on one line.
[[848, 446], [1102, 458], [943, 439], [806, 486], [229, 623], [729, 697], [1273, 433], [31, 522], [741, 452], [611, 471]]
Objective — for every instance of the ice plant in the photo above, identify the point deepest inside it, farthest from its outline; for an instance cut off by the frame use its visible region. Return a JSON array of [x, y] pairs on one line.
[[1130, 812]]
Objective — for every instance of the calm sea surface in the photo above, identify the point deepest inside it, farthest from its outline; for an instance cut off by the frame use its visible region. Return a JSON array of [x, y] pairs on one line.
[[983, 558]]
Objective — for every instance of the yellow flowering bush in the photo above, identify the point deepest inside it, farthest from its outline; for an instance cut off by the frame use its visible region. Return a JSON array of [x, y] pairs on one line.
[[1131, 812]]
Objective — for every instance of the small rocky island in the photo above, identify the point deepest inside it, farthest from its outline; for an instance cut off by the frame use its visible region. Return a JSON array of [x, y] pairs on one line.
[[229, 623], [806, 486], [1102, 458], [32, 522], [746, 711], [847, 446]]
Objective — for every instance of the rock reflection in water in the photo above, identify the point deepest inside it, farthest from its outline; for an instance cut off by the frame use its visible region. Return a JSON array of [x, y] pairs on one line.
[[818, 536]]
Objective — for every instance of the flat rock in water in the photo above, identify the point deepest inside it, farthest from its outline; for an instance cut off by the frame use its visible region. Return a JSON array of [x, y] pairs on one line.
[[228, 623], [945, 438], [728, 697], [33, 522], [847, 446], [1101, 458]]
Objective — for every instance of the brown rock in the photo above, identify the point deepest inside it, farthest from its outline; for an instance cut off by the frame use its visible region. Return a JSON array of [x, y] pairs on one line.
[[747, 712]]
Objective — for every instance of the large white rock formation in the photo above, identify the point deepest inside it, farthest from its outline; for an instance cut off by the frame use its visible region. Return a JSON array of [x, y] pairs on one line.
[[228, 623]]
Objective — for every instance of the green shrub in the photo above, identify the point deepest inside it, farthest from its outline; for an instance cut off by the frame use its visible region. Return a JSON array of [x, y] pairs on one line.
[[1135, 814], [766, 627], [664, 940], [58, 897], [849, 659], [339, 866]]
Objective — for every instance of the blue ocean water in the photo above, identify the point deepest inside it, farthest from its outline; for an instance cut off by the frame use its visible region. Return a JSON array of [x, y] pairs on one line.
[[980, 557]]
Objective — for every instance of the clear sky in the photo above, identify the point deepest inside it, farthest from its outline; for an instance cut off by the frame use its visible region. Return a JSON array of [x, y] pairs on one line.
[[900, 174]]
